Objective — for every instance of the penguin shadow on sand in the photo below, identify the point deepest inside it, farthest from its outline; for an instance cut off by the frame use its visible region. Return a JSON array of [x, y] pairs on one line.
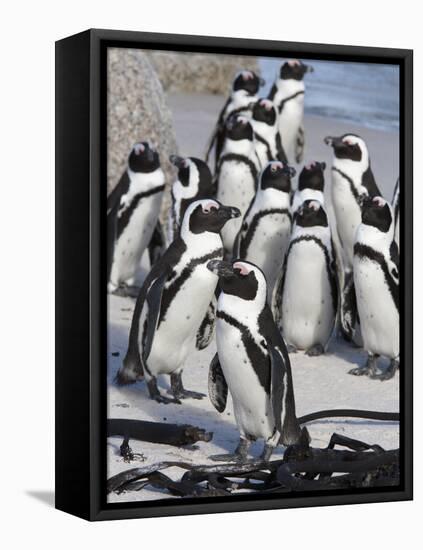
[[135, 401]]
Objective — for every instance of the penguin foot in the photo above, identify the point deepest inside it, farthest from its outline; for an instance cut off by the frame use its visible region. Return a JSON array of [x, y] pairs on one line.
[[178, 390], [386, 374], [315, 350], [370, 368], [126, 291], [127, 453], [359, 371], [291, 349], [187, 394], [153, 390]]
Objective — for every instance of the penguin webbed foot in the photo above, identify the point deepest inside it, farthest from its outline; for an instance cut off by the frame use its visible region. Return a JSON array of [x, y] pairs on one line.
[[240, 454], [388, 373], [126, 291], [315, 350], [178, 390], [291, 349], [128, 454], [153, 390], [370, 368]]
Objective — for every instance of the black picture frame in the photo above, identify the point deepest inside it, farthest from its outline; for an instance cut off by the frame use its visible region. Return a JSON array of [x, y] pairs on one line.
[[81, 360]]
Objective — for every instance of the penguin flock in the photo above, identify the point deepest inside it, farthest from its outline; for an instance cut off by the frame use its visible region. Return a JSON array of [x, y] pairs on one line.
[[250, 260]]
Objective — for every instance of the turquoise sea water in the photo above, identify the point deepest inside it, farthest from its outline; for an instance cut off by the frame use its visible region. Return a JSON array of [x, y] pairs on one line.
[[361, 93]]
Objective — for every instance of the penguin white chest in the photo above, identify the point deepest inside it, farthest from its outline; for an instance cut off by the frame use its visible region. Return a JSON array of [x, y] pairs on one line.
[[379, 318], [175, 336], [134, 239], [290, 120], [347, 212], [307, 306], [252, 408]]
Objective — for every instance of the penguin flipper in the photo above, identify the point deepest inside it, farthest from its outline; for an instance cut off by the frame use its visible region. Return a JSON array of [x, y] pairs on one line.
[[154, 301], [299, 145], [157, 244], [277, 384], [121, 188], [369, 182], [111, 237], [218, 388], [280, 152], [206, 330]]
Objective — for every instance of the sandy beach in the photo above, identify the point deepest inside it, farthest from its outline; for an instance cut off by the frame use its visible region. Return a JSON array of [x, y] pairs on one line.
[[319, 383]]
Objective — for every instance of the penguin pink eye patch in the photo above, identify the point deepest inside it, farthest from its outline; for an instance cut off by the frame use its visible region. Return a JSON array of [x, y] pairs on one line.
[[209, 206], [293, 63], [314, 205], [378, 201], [275, 166], [139, 148], [247, 75], [266, 104], [242, 268], [310, 165]]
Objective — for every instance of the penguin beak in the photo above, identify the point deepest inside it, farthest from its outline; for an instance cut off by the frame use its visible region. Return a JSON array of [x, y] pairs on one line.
[[322, 165], [220, 268], [289, 171], [335, 142], [228, 212], [262, 82], [176, 161], [308, 68]]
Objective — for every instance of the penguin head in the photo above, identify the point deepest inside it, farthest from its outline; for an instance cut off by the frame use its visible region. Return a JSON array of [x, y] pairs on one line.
[[294, 69], [248, 81], [192, 172], [278, 176], [143, 158], [238, 127], [312, 177], [377, 212], [207, 215], [241, 279], [348, 146], [311, 214], [264, 111]]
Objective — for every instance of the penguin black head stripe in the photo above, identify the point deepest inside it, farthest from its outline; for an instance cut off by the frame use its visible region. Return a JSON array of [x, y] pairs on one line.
[[238, 128], [348, 146], [248, 81], [294, 69], [311, 214], [239, 278], [209, 216], [264, 111], [143, 158], [311, 176], [377, 213], [277, 175], [187, 165]]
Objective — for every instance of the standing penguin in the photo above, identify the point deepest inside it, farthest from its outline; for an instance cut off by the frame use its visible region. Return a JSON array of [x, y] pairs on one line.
[[132, 216], [244, 94], [396, 207], [376, 278], [311, 185], [237, 173], [352, 182], [251, 361], [266, 228], [174, 300], [287, 93], [306, 298], [266, 132], [194, 182]]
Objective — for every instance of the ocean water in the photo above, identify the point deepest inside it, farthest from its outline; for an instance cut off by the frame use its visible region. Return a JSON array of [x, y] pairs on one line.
[[361, 93]]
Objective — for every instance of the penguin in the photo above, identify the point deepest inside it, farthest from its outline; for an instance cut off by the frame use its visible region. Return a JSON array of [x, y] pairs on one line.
[[174, 300], [245, 87], [133, 209], [352, 182], [268, 141], [376, 279], [194, 182], [396, 207], [251, 362], [305, 300], [266, 228], [237, 174], [287, 93], [311, 185]]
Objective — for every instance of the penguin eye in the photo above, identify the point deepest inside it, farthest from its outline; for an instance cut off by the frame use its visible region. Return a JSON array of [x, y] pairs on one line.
[[208, 208], [273, 168]]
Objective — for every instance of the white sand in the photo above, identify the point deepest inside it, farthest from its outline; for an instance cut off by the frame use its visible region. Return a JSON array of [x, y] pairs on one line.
[[319, 383]]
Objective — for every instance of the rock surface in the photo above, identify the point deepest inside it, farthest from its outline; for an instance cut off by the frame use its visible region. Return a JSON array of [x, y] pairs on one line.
[[137, 111], [206, 73]]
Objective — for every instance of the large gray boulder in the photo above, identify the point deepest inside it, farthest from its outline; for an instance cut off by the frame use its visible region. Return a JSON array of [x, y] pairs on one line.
[[137, 111], [191, 72]]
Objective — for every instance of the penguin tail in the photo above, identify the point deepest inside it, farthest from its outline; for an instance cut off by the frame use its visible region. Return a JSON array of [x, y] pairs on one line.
[[130, 372]]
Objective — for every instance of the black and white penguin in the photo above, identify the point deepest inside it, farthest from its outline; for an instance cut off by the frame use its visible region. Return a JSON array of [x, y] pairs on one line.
[[266, 228], [376, 279], [287, 93], [264, 120], [173, 301], [305, 300], [352, 182], [245, 86], [194, 182], [133, 209], [396, 207], [237, 173], [251, 361], [311, 185]]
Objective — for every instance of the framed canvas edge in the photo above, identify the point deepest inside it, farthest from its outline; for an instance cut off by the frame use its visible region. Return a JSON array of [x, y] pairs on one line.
[[99, 38]]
